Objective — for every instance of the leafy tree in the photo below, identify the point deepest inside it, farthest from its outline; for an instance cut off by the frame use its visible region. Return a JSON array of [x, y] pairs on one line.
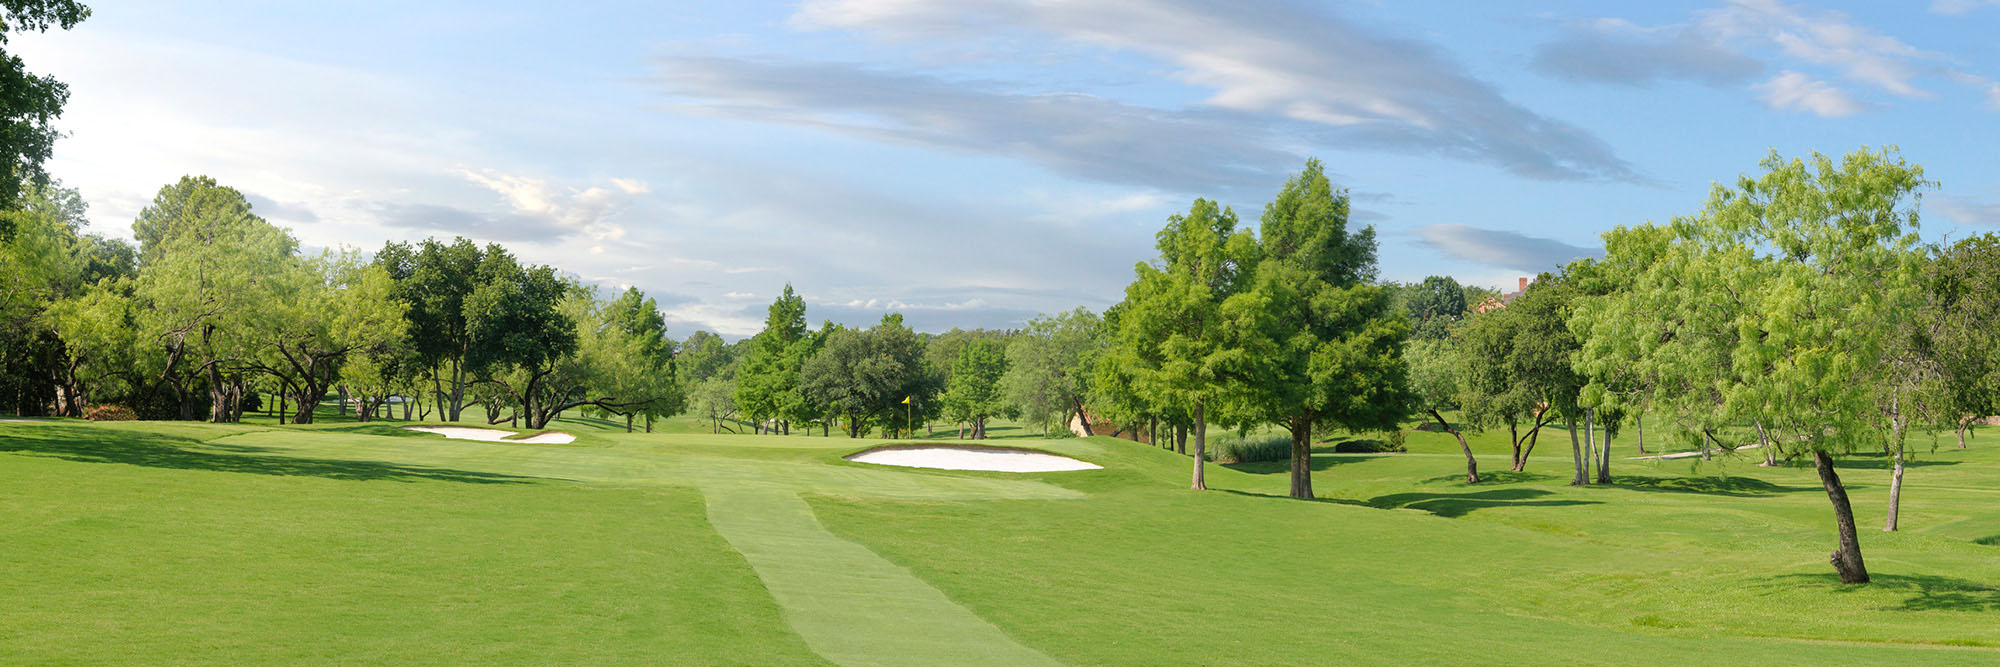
[[1326, 346], [632, 360], [1434, 305], [31, 103], [1799, 278], [327, 313], [973, 395], [1050, 366], [1436, 376], [433, 280], [207, 269], [1961, 301], [1172, 342], [769, 377], [864, 376], [1493, 393]]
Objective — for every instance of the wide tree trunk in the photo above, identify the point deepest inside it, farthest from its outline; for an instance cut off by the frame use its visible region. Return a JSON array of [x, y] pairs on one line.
[[1180, 439], [1200, 445], [1847, 559], [628, 422], [1575, 452], [1302, 480], [1471, 464], [307, 400]]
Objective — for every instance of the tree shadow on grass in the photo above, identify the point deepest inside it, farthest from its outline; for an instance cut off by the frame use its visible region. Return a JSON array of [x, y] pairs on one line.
[[1279, 496], [1496, 477], [152, 450], [1734, 487], [387, 430], [1453, 505], [1926, 592], [1318, 463], [1880, 461]]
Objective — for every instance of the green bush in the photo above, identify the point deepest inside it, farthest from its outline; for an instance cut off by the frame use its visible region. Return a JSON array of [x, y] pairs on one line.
[[1233, 449]]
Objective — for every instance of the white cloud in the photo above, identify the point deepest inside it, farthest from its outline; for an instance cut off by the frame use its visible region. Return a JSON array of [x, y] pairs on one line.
[[1968, 212], [1793, 91]]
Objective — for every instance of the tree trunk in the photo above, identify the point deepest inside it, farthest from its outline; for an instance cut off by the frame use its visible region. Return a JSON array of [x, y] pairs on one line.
[[1302, 479], [1847, 559], [1180, 439], [1963, 424], [343, 399], [1084, 419], [1764, 442], [649, 425], [1200, 445], [1589, 442], [1706, 438], [1895, 478], [281, 407], [1575, 452], [1471, 464], [1639, 421], [307, 402], [1514, 437], [1603, 449], [628, 422]]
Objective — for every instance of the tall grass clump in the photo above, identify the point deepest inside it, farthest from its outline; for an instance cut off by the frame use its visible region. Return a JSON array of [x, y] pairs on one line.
[[1239, 449]]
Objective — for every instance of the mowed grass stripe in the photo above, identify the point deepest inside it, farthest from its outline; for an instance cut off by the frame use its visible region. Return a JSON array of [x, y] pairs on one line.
[[850, 605]]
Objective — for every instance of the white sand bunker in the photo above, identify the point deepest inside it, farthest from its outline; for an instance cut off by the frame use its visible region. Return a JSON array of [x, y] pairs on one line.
[[970, 458], [494, 435]]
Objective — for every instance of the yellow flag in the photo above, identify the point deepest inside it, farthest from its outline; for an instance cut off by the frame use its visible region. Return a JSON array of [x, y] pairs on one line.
[[906, 400]]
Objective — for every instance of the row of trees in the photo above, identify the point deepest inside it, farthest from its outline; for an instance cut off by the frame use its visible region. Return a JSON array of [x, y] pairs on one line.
[[215, 308], [1799, 307]]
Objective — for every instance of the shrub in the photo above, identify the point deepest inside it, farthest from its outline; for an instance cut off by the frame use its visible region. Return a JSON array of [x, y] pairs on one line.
[[1234, 449], [110, 413], [1367, 446]]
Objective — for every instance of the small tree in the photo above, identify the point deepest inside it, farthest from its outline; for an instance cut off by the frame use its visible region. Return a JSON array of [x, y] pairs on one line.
[[973, 393], [1435, 371]]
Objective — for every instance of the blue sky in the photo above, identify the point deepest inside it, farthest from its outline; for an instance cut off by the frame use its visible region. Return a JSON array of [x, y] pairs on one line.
[[973, 163]]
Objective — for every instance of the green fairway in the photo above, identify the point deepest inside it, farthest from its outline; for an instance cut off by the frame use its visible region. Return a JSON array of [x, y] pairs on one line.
[[148, 542]]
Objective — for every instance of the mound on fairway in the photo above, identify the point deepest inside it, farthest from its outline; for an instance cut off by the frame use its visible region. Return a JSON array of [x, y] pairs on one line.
[[494, 435], [948, 457]]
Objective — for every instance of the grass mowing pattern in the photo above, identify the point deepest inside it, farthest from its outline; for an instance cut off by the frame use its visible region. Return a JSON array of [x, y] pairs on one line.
[[851, 606]]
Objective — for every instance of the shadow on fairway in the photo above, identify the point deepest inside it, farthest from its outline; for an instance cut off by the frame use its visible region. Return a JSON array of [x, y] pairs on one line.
[[1280, 496], [91, 445], [1734, 487], [1318, 463], [1879, 461], [1930, 592], [1496, 477], [1453, 505]]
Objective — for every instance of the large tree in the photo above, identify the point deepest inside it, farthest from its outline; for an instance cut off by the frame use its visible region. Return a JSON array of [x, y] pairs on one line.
[[326, 313], [631, 360], [1326, 346], [1799, 276], [208, 266], [433, 280], [864, 376], [1173, 342], [1434, 305]]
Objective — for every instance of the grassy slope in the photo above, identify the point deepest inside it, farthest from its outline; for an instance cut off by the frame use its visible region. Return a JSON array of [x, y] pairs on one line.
[[323, 541]]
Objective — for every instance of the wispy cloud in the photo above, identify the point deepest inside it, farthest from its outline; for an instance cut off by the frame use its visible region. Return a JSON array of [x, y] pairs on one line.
[[1968, 211], [1345, 85], [1793, 91], [1729, 44], [1500, 248]]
